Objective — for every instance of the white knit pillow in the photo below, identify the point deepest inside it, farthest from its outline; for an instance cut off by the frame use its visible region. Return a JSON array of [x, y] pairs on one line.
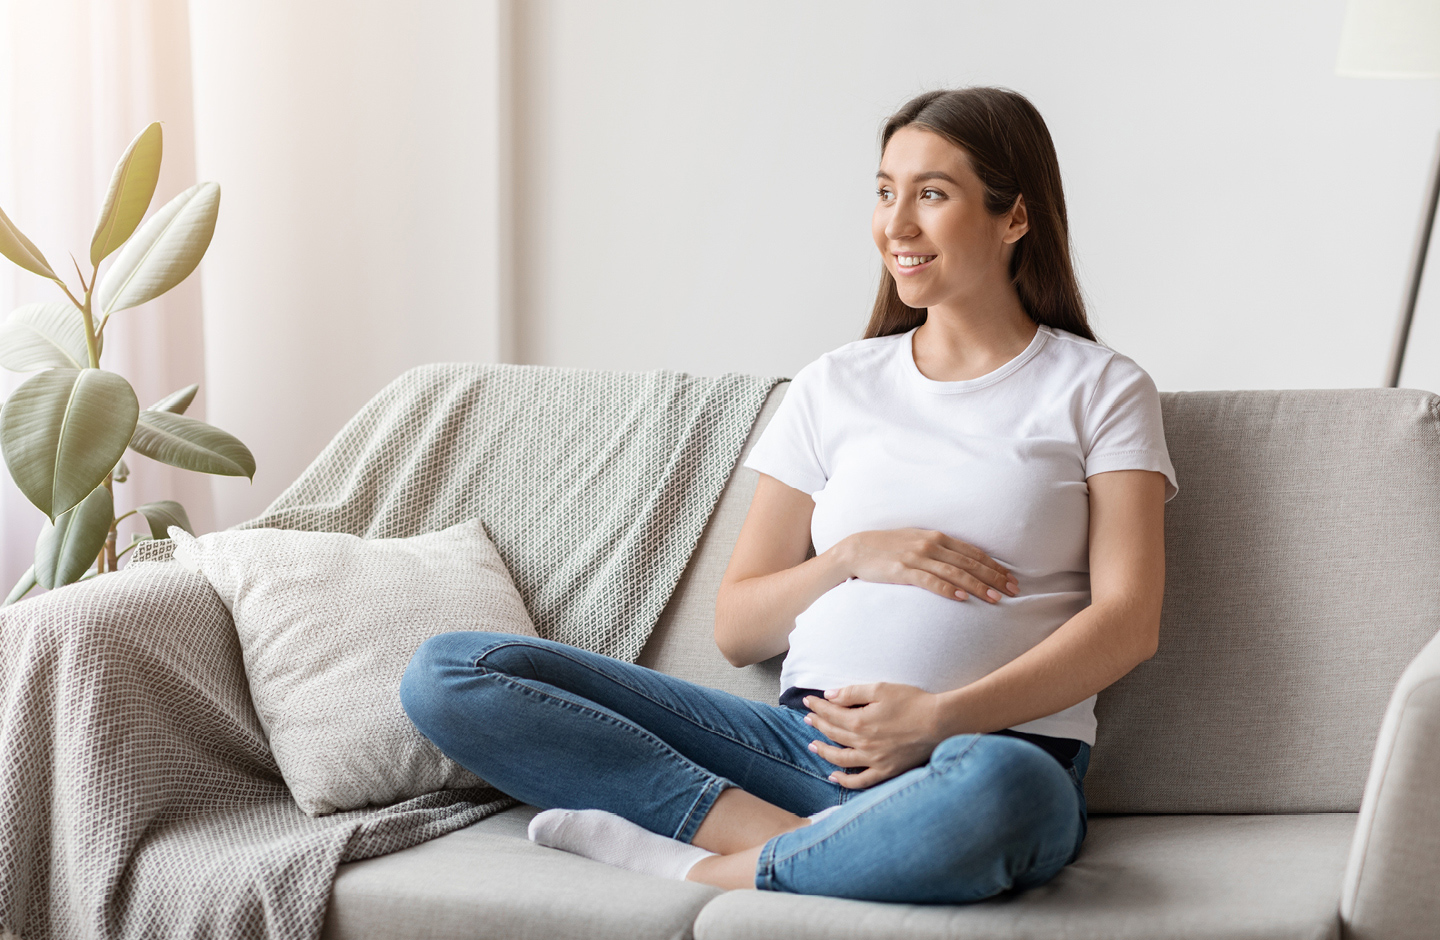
[[327, 623]]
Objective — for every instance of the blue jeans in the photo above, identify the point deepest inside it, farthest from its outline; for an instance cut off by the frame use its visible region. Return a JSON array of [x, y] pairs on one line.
[[557, 726]]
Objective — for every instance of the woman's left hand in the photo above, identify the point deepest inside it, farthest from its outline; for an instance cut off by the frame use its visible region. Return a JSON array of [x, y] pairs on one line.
[[885, 727]]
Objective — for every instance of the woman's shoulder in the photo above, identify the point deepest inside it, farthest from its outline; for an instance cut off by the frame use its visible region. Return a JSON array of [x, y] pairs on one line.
[[856, 358], [1093, 359]]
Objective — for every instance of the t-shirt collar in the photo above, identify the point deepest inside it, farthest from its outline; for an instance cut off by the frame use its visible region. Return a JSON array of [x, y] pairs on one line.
[[906, 355]]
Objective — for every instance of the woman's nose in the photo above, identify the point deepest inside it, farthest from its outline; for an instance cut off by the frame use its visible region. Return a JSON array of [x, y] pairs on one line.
[[901, 223]]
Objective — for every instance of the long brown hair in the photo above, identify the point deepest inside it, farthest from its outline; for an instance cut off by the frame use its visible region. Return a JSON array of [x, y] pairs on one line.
[[1011, 151]]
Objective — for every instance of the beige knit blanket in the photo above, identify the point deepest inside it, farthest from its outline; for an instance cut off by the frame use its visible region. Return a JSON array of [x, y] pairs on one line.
[[138, 797]]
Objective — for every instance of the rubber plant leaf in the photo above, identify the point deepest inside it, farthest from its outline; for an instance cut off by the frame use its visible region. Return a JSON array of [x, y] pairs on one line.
[[21, 250], [191, 445], [132, 186], [65, 549], [162, 514], [22, 587], [63, 430], [176, 403], [164, 250], [44, 336]]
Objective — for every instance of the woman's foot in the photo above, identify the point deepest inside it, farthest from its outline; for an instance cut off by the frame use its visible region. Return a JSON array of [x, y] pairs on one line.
[[616, 841]]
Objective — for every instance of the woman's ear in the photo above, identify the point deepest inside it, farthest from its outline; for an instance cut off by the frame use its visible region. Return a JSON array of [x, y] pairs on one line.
[[1017, 221]]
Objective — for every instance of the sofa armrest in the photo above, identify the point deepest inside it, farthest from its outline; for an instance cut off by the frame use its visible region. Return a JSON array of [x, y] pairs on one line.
[[1390, 884]]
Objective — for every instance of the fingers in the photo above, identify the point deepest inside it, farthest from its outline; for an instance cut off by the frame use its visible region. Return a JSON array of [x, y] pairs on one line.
[[979, 566], [848, 757], [828, 727], [839, 756], [951, 581], [950, 561], [848, 695], [860, 781], [843, 757]]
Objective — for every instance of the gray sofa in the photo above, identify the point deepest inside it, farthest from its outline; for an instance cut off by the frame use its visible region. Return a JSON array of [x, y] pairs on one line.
[[1274, 772]]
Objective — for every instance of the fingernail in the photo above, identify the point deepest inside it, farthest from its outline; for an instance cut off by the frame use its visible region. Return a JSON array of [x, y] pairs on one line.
[[831, 693], [1013, 587], [813, 748], [993, 594], [808, 721], [960, 595]]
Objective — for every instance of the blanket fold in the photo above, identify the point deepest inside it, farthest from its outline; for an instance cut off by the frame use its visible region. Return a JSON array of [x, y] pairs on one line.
[[138, 797]]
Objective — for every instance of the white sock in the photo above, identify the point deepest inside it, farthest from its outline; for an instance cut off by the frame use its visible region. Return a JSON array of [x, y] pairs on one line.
[[616, 841]]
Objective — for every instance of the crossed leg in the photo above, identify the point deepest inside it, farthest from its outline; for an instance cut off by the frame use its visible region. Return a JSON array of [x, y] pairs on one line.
[[560, 727]]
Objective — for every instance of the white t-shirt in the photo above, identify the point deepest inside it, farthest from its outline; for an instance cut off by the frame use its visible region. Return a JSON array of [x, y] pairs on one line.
[[999, 461]]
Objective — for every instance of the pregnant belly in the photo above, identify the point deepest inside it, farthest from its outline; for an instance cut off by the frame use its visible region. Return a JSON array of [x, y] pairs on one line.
[[861, 631]]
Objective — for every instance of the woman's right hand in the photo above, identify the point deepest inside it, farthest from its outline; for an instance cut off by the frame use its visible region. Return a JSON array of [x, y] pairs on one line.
[[927, 559]]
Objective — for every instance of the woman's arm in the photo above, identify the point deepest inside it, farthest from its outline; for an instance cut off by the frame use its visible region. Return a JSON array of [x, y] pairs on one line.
[[896, 726], [769, 582]]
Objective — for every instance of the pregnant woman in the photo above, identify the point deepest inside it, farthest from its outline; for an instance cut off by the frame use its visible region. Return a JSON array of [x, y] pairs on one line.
[[984, 487]]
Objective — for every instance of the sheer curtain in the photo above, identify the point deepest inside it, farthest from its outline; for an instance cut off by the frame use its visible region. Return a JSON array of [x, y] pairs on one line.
[[78, 80]]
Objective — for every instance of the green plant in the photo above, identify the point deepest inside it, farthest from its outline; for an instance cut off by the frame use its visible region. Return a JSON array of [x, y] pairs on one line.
[[65, 430]]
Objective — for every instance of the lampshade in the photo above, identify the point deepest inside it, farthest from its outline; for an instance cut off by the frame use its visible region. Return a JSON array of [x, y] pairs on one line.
[[1390, 39]]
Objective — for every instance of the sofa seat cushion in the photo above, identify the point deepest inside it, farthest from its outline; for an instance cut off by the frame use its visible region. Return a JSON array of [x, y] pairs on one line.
[[1140, 877], [489, 881]]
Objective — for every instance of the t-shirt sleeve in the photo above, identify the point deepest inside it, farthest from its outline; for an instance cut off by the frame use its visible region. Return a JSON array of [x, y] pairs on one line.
[[1123, 428], [789, 448]]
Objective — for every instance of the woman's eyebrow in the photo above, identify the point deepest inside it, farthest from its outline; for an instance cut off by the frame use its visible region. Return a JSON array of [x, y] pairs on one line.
[[921, 177]]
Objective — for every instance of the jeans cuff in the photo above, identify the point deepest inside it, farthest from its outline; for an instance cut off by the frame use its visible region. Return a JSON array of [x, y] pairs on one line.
[[701, 808], [765, 867]]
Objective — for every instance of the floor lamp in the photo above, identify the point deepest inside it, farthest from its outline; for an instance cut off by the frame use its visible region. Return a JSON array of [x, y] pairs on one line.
[[1398, 39]]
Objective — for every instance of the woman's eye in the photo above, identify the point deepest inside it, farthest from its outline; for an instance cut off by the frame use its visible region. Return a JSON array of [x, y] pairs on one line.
[[884, 194], [932, 194]]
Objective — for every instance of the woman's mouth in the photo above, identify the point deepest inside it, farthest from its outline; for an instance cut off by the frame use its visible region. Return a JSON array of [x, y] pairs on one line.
[[912, 264]]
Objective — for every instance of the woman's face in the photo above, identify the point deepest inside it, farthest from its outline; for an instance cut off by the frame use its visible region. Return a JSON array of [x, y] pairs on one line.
[[931, 226]]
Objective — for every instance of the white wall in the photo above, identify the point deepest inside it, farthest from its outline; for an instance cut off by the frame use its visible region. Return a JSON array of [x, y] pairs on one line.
[[356, 146], [695, 179], [692, 184]]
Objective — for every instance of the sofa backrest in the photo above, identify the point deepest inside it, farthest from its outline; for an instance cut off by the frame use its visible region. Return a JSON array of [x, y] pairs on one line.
[[1303, 574]]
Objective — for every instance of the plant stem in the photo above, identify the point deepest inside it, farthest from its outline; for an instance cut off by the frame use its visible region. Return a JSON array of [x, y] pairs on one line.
[[110, 539], [91, 346]]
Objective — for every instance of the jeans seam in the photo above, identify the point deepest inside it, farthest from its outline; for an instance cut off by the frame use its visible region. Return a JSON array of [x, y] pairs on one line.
[[711, 779], [658, 704]]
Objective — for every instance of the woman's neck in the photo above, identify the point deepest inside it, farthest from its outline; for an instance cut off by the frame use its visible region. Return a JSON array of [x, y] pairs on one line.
[[954, 345]]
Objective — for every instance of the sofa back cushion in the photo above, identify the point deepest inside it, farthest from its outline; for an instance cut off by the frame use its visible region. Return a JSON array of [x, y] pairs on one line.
[[1302, 575]]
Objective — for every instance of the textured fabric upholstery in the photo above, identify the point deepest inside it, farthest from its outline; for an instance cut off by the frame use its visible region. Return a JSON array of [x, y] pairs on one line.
[[1301, 579], [1391, 884], [488, 882], [1137, 878], [683, 641]]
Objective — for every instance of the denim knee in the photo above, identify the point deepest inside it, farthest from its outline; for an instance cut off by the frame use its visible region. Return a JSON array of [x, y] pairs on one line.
[[440, 660], [1030, 802]]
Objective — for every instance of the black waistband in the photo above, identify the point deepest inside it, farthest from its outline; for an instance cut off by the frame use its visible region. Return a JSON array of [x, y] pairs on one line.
[[1063, 750]]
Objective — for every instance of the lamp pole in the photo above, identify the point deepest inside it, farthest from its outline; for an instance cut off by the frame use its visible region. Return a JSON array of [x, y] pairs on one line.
[[1417, 268], [1397, 39]]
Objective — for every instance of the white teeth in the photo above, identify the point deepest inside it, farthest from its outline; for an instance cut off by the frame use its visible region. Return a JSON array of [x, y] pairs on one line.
[[910, 261]]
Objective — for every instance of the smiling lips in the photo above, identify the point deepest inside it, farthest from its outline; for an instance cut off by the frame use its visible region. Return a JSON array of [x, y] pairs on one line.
[[909, 264]]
